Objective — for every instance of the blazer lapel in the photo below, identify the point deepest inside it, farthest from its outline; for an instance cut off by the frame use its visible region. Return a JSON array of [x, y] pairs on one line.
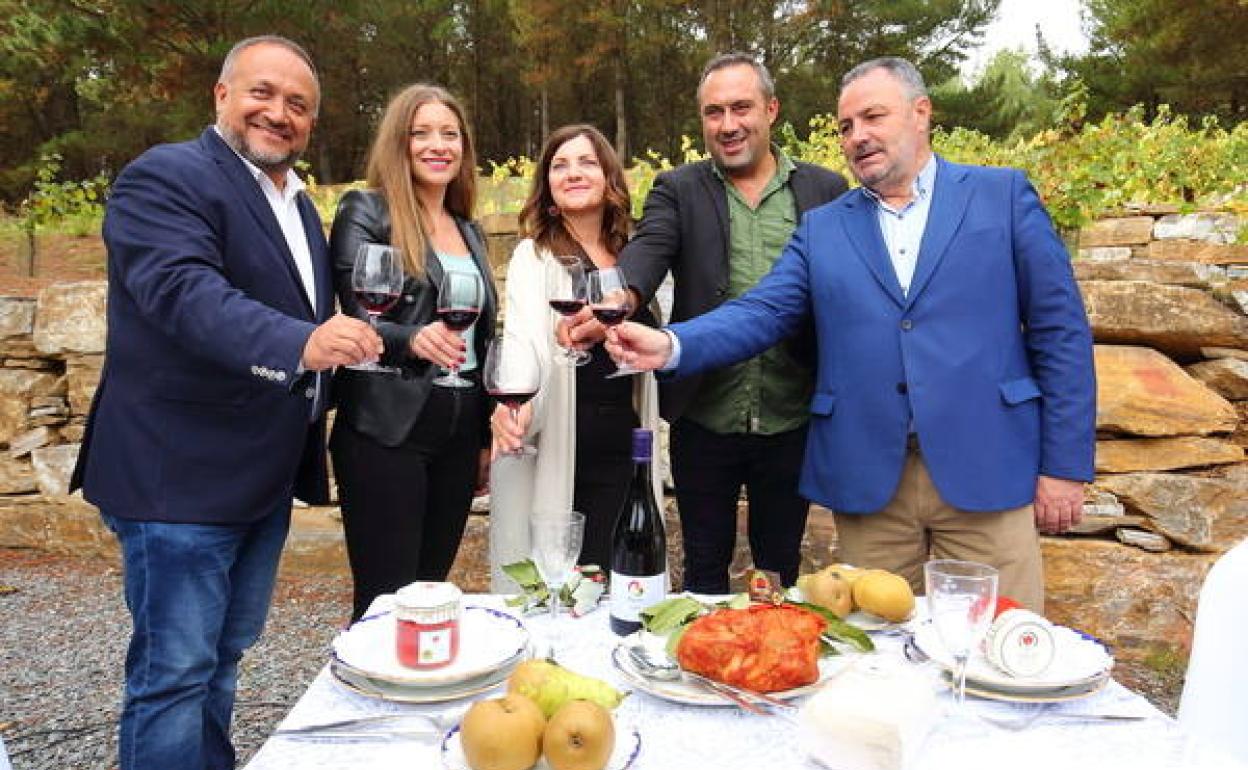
[[253, 199], [949, 201], [480, 255], [319, 250], [718, 196], [863, 227]]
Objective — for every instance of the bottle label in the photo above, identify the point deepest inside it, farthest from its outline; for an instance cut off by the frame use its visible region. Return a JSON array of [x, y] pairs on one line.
[[631, 594]]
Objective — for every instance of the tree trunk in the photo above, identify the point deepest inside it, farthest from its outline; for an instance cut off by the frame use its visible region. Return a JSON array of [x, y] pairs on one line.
[[621, 119]]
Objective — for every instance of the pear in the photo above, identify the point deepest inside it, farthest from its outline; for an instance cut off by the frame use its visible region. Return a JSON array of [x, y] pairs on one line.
[[550, 685], [828, 590]]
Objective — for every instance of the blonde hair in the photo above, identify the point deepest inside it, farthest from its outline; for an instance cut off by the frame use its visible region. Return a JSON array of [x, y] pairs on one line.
[[390, 172]]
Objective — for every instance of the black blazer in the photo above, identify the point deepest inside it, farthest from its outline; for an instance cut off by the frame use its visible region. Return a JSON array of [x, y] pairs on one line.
[[684, 228], [384, 407]]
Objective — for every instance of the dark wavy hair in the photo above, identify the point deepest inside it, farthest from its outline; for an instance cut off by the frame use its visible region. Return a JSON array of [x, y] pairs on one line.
[[540, 218]]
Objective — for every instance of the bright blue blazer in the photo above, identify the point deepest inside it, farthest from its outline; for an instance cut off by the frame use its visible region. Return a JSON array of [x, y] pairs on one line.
[[988, 359], [202, 414]]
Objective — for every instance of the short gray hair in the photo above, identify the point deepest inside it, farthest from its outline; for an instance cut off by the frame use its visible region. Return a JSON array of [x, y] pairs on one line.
[[734, 59], [231, 58], [905, 73]]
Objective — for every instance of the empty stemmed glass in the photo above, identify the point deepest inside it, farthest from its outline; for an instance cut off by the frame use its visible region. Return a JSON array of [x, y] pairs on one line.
[[556, 543], [611, 301], [961, 598], [376, 282], [566, 289], [513, 374], [460, 296]]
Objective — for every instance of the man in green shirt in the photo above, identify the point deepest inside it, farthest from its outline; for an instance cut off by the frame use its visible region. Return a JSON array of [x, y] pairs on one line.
[[718, 225]]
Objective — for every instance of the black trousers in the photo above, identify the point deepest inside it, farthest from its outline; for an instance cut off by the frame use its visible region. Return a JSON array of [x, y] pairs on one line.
[[404, 508], [604, 469], [709, 470]]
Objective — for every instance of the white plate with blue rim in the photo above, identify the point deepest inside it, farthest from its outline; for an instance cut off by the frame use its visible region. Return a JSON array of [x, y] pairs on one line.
[[489, 640]]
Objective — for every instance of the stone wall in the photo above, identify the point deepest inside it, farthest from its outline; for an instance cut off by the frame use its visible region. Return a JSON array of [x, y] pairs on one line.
[[1167, 296]]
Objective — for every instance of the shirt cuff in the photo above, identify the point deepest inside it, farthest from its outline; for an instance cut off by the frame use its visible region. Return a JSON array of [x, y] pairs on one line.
[[673, 360]]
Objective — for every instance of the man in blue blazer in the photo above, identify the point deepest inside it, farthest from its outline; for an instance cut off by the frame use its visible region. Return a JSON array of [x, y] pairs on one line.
[[210, 410], [954, 411]]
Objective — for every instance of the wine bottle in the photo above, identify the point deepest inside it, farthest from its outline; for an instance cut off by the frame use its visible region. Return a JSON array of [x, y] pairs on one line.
[[638, 546]]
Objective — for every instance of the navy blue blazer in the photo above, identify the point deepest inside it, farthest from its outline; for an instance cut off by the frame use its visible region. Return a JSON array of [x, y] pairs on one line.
[[990, 353], [202, 414]]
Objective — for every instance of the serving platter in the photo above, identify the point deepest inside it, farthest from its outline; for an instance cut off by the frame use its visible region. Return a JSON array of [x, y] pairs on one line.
[[690, 692]]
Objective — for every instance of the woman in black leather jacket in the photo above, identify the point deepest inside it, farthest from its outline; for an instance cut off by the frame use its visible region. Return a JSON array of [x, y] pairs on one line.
[[408, 453]]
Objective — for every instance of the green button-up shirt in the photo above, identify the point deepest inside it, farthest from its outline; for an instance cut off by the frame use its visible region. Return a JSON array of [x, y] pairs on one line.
[[769, 393]]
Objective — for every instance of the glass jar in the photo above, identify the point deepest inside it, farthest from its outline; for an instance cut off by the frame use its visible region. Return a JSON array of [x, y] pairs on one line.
[[427, 617]]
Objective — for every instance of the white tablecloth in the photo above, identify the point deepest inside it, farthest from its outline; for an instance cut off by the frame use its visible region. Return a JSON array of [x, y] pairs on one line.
[[675, 737]]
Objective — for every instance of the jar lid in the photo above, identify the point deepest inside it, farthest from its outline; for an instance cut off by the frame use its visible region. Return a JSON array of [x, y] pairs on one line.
[[427, 595], [1020, 643]]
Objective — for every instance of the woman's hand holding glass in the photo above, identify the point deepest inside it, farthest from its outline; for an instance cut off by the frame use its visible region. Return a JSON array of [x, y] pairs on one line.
[[438, 345], [509, 429]]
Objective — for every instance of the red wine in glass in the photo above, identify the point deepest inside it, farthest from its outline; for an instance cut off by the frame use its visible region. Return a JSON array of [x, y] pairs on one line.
[[511, 399], [376, 283], [458, 319], [567, 307], [610, 315], [375, 302]]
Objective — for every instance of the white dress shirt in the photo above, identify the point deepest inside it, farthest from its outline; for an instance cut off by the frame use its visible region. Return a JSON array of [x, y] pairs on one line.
[[285, 206]]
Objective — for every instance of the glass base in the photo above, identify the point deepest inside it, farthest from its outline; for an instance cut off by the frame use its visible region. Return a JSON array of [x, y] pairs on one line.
[[372, 366], [623, 371], [453, 380], [575, 357]]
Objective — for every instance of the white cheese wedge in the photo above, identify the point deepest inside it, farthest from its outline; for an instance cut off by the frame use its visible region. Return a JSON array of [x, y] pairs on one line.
[[873, 716]]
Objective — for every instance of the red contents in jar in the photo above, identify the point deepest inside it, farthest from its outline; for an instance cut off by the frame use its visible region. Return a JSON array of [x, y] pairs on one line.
[[427, 645]]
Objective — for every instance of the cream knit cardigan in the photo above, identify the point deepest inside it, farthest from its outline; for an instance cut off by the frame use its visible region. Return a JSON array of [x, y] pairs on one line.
[[521, 487]]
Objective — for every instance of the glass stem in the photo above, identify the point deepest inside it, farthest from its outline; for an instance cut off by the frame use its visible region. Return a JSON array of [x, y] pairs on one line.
[[960, 692]]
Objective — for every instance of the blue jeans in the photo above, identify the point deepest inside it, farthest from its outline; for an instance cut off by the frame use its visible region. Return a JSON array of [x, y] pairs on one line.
[[198, 596]]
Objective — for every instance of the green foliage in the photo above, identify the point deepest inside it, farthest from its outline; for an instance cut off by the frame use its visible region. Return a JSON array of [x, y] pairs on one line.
[[75, 206]]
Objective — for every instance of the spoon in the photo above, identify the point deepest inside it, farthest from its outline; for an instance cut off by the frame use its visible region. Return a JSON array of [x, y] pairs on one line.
[[667, 670]]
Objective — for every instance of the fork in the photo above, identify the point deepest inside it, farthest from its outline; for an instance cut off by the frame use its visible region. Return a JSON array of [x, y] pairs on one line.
[[343, 728]]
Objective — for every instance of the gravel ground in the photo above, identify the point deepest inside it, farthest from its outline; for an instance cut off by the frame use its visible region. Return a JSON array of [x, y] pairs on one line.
[[62, 647]]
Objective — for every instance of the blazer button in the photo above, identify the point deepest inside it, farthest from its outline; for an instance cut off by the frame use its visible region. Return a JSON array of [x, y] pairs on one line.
[[309, 393], [902, 388], [907, 325]]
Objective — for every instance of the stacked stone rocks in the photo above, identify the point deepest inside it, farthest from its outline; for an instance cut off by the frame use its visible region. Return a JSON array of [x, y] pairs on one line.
[[1167, 297]]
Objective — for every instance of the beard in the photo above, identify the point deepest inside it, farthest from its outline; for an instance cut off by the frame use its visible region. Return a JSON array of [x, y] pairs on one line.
[[265, 161]]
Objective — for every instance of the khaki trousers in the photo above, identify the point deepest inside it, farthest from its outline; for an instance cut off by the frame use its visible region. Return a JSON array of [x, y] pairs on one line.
[[917, 525]]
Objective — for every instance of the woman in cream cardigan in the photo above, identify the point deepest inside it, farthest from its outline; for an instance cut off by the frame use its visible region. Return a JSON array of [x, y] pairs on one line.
[[581, 420]]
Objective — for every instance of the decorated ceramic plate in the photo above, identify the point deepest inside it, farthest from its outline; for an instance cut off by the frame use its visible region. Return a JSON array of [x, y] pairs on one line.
[[489, 639], [361, 684], [688, 691], [1080, 662], [623, 755]]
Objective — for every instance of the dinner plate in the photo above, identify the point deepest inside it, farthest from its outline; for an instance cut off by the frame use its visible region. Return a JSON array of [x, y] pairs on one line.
[[690, 692], [1080, 662], [1055, 695], [488, 639], [623, 755], [361, 684]]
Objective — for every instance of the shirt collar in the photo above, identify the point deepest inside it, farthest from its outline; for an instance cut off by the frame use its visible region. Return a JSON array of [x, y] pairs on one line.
[[922, 185], [294, 185]]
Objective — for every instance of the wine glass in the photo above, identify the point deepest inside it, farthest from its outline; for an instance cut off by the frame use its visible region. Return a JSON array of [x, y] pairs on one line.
[[611, 301], [376, 282], [556, 540], [513, 374], [961, 597], [460, 297], [566, 289]]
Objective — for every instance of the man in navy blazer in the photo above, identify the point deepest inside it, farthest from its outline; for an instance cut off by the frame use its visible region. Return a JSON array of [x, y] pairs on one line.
[[209, 414], [954, 411]]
